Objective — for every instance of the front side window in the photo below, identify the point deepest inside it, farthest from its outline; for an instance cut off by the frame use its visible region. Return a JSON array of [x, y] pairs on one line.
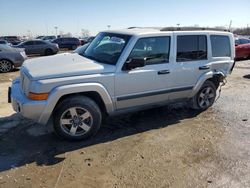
[[107, 47], [220, 46], [191, 48], [154, 50]]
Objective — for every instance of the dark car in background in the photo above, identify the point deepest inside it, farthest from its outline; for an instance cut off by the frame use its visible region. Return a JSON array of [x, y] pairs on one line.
[[86, 40], [4, 42], [49, 38], [40, 37], [11, 57], [14, 40], [70, 43], [39, 47], [242, 48]]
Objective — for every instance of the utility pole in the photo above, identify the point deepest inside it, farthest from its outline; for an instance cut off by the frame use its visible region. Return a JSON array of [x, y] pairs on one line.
[[230, 25], [56, 30], [108, 27], [178, 26]]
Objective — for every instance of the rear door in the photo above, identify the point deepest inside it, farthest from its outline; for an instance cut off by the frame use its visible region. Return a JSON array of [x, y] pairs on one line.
[[189, 63], [39, 47]]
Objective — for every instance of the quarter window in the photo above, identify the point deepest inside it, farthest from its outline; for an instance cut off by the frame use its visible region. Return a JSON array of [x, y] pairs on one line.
[[191, 48], [154, 50], [220, 46]]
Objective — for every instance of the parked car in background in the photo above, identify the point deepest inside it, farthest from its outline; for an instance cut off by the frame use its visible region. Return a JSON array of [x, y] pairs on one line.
[[4, 42], [39, 47], [11, 57], [40, 37], [14, 40], [86, 40], [123, 71], [242, 48], [70, 43], [48, 38]]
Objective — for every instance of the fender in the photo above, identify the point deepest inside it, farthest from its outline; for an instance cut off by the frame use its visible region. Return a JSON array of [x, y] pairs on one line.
[[61, 91], [203, 78]]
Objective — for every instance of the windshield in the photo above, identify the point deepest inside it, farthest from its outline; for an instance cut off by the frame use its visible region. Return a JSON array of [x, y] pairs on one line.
[[106, 47]]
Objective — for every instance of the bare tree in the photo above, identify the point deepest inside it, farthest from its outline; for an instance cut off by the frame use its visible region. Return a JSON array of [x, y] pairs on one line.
[[85, 33]]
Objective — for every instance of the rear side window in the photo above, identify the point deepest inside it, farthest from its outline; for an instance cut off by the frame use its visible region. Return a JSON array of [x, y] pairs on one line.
[[155, 50], [220, 46], [29, 43], [191, 48]]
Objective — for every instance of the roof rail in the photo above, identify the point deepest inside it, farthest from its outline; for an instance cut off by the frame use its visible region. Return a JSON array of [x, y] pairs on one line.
[[192, 29], [159, 28]]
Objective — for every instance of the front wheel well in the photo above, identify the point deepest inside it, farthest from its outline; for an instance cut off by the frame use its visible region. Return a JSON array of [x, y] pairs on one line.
[[95, 96]]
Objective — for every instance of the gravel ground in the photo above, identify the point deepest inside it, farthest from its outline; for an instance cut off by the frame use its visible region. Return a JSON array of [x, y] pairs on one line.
[[164, 147]]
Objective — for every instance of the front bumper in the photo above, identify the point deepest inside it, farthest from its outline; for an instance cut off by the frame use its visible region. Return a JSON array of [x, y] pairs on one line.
[[21, 104]]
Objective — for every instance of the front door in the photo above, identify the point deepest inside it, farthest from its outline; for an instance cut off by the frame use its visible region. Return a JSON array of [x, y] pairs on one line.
[[149, 84]]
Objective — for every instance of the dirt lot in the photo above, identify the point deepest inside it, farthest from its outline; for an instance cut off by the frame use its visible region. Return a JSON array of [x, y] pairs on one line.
[[164, 147]]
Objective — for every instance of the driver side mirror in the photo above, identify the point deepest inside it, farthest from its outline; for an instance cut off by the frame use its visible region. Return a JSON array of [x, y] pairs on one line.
[[134, 63]]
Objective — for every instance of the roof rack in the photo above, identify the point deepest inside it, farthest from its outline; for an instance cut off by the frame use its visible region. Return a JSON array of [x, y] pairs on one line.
[[182, 28], [192, 29]]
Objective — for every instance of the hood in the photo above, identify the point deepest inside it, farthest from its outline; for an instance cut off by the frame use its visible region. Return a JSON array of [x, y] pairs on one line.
[[63, 65]]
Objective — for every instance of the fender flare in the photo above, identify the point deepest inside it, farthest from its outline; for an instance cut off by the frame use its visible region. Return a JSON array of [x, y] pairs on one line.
[[61, 91], [203, 78]]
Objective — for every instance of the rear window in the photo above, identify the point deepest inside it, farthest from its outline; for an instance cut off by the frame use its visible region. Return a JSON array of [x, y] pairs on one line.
[[220, 46], [191, 48]]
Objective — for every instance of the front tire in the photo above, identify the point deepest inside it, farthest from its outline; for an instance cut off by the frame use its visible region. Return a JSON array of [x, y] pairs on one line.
[[5, 66], [205, 98], [48, 52], [77, 118]]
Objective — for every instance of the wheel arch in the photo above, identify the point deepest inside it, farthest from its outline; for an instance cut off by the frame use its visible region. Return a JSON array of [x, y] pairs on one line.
[[7, 60], [215, 77], [94, 91]]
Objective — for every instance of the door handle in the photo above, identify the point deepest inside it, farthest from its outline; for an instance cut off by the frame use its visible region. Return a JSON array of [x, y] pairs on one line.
[[163, 72], [204, 67]]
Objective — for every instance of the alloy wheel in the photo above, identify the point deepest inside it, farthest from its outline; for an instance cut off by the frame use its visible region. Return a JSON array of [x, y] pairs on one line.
[[76, 121], [206, 97], [5, 66]]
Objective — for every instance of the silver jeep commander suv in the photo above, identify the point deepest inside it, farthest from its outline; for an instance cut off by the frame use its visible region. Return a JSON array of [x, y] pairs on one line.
[[122, 71]]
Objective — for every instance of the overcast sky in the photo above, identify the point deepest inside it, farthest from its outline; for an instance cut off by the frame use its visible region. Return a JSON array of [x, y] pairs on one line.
[[39, 17]]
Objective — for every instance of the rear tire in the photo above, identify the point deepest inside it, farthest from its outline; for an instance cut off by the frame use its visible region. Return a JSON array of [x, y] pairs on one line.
[[73, 47], [77, 118], [6, 66], [205, 97]]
